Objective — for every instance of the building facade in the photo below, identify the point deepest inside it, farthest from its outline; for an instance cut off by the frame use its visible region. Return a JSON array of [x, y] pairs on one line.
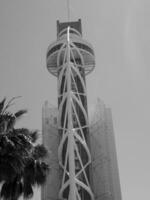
[[104, 167], [82, 154], [51, 140]]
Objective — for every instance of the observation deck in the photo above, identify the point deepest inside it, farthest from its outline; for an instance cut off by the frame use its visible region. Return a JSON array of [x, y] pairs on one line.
[[83, 51]]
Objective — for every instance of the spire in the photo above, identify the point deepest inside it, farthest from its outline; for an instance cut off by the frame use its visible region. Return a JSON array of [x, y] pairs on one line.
[[68, 10]]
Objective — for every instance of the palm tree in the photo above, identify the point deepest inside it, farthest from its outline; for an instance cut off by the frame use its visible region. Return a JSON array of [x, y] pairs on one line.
[[21, 160]]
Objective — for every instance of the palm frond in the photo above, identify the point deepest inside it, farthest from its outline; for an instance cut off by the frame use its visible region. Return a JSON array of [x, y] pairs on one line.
[[11, 190], [6, 144], [34, 135], [27, 191], [23, 131], [20, 158], [2, 103], [17, 189], [15, 162], [29, 172], [6, 191], [40, 175], [41, 170], [19, 113], [39, 152], [7, 172], [9, 103], [11, 123]]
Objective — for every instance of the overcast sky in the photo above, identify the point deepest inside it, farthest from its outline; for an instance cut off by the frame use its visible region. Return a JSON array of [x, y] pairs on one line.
[[119, 31]]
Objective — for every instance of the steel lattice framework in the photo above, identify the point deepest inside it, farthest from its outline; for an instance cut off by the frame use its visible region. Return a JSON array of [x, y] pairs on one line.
[[70, 58]]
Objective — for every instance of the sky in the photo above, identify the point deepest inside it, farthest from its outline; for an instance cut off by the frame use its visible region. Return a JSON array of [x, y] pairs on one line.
[[119, 31]]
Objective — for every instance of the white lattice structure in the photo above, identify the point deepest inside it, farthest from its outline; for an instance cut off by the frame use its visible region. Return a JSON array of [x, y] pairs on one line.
[[70, 58]]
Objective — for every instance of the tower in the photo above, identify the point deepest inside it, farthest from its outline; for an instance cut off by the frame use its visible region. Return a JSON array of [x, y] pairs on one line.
[[83, 158], [70, 58]]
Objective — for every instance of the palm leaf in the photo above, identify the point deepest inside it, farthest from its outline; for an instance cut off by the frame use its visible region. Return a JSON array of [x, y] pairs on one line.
[[34, 136], [41, 170], [9, 103], [11, 190], [27, 191], [2, 103], [17, 189], [29, 172], [7, 172], [20, 159], [6, 191], [40, 152], [19, 113]]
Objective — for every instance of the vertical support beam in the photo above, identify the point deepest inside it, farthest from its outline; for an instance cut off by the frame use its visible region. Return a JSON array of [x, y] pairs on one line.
[[72, 195]]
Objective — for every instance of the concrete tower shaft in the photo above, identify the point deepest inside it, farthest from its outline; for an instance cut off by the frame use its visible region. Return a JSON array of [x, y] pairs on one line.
[[70, 58]]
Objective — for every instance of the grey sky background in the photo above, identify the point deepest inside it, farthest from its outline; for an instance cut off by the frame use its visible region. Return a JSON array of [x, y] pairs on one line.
[[119, 31]]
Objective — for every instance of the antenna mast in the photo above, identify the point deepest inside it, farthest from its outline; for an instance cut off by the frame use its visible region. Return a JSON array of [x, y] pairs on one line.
[[68, 10]]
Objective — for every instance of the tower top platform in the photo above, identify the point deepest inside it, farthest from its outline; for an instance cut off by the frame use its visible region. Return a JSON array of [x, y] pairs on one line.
[[82, 52]]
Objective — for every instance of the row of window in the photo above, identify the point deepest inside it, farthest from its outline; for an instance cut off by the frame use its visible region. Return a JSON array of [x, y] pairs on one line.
[[79, 45]]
